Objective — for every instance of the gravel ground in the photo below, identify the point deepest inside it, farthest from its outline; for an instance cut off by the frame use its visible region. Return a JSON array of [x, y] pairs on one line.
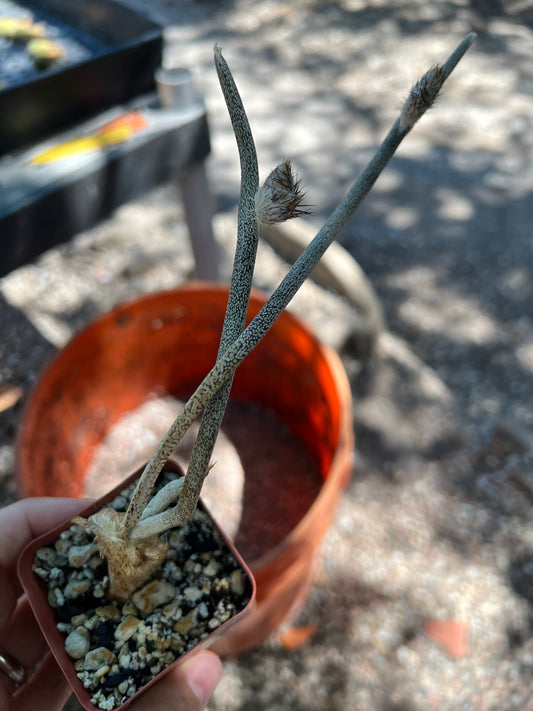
[[436, 522]]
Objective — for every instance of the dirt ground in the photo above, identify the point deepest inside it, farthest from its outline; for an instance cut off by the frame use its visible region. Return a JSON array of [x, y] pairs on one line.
[[436, 521]]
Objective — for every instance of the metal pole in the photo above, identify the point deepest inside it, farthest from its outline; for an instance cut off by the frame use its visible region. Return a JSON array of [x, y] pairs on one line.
[[176, 90]]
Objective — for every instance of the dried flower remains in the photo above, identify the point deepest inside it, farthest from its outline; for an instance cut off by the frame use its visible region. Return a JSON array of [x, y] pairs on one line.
[[422, 96], [280, 197]]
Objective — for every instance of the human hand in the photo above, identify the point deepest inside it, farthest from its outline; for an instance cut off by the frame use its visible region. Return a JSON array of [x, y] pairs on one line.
[[186, 688]]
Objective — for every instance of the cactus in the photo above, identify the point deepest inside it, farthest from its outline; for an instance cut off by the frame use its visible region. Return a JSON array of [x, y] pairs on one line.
[[280, 198]]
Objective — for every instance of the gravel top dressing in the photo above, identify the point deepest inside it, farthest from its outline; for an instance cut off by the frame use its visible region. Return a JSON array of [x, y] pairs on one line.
[[117, 648]]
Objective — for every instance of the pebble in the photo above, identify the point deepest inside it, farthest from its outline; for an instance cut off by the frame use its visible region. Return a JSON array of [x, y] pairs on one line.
[[186, 624], [75, 588], [192, 593], [78, 643], [102, 671], [66, 627], [56, 598], [125, 661], [91, 622], [237, 582], [173, 610], [211, 569], [97, 658], [153, 595], [223, 612], [109, 612], [103, 702], [79, 555], [48, 555], [174, 540], [95, 561], [62, 545], [57, 575], [127, 628], [128, 608], [99, 590]]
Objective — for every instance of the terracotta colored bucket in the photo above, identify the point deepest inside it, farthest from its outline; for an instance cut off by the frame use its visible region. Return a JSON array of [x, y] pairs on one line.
[[166, 343]]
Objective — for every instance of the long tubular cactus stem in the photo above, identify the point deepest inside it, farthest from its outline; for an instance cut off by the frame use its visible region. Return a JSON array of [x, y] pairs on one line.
[[424, 92], [239, 294]]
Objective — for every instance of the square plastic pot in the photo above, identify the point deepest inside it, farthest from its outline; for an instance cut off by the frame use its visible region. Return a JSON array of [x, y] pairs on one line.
[[45, 614]]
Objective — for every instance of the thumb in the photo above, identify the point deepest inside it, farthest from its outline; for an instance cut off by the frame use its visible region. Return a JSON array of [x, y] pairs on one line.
[[188, 687]]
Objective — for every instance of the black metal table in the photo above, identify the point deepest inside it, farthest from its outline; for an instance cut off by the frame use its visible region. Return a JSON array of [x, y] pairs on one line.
[[62, 114], [42, 205]]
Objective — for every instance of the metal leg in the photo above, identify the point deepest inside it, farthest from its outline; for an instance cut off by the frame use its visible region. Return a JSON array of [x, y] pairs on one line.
[[198, 214], [175, 89]]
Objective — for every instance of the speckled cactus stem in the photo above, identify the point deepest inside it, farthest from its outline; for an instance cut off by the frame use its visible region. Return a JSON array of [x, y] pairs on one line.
[[240, 287], [236, 343]]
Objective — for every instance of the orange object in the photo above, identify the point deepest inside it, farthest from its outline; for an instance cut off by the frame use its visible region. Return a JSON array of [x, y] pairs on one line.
[[295, 637], [451, 635], [166, 343], [9, 396], [132, 121], [112, 133]]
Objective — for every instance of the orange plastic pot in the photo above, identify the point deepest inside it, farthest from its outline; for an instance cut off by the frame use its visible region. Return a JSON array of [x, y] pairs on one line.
[[165, 343]]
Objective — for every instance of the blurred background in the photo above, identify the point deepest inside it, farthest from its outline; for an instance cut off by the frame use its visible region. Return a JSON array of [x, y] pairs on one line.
[[436, 522]]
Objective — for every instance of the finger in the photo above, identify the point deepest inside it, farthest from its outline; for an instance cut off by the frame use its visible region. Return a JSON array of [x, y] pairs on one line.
[[22, 638], [6, 698], [201, 674], [46, 689], [8, 596], [188, 687], [24, 520]]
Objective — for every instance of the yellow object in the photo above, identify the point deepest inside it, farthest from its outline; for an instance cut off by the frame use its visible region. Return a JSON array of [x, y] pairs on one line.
[[113, 133], [19, 28], [43, 52]]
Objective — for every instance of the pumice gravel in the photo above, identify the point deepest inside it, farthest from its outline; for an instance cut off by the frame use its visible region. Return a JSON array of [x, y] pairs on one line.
[[118, 647]]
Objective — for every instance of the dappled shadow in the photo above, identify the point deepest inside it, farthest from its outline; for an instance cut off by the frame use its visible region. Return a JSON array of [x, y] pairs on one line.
[[399, 417], [335, 611], [456, 280], [445, 238], [23, 351]]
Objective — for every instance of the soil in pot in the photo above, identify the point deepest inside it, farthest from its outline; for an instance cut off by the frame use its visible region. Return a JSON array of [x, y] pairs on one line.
[[117, 648]]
